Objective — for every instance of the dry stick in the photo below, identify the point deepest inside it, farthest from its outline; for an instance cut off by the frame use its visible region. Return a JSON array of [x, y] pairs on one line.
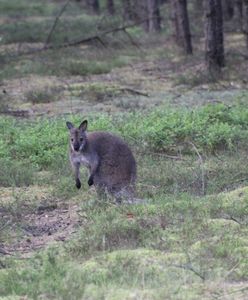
[[242, 290], [131, 39], [202, 167], [55, 23], [134, 91], [190, 268], [97, 37]]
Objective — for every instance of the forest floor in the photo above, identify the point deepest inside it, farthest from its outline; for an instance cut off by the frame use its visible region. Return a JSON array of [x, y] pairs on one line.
[[189, 241]]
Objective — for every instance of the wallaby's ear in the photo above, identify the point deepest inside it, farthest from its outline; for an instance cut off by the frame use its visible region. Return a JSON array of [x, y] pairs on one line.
[[69, 125], [83, 125]]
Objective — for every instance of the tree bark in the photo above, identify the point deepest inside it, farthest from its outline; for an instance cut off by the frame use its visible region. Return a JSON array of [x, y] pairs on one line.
[[245, 14], [153, 12], [181, 25], [148, 11], [94, 5], [198, 5], [239, 13], [214, 46], [174, 21], [128, 10], [111, 7], [228, 9]]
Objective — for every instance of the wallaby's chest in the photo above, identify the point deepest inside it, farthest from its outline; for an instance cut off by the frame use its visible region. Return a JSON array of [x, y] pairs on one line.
[[81, 159]]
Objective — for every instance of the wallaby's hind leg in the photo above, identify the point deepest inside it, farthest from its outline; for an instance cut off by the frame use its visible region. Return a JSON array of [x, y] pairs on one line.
[[76, 167]]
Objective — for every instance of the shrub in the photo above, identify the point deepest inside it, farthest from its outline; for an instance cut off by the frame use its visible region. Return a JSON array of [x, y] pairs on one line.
[[210, 128], [14, 173], [45, 95]]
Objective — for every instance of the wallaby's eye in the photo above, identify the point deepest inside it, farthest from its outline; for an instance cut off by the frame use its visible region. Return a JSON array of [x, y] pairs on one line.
[[81, 139], [72, 140]]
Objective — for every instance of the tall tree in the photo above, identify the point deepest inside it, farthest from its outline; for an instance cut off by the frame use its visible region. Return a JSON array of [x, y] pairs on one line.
[[228, 9], [175, 24], [245, 14], [128, 10], [111, 7], [214, 39], [148, 12], [94, 5], [181, 24], [239, 13], [198, 4], [153, 16]]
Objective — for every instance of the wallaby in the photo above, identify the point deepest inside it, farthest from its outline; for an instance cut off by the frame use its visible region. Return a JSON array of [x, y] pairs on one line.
[[110, 161]]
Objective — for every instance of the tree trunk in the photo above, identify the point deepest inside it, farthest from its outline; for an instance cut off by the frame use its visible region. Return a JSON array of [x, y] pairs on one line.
[[228, 9], [128, 10], [153, 14], [245, 14], [214, 35], [111, 7], [94, 5], [238, 12], [181, 25], [148, 12], [174, 21], [198, 5]]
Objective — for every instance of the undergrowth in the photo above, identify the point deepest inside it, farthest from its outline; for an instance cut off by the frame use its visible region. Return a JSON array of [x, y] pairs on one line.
[[208, 128]]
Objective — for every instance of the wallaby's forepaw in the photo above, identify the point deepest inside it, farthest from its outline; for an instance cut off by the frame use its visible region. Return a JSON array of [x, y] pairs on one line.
[[90, 181], [78, 184]]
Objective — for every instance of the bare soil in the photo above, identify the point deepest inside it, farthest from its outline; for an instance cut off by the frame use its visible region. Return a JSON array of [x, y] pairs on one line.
[[47, 225]]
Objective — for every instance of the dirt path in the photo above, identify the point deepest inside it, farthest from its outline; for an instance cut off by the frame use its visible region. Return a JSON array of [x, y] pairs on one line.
[[47, 225]]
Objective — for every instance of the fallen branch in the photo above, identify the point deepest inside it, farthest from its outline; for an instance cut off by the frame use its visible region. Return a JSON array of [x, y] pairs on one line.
[[131, 39], [97, 37], [55, 23], [134, 91], [16, 113], [190, 268]]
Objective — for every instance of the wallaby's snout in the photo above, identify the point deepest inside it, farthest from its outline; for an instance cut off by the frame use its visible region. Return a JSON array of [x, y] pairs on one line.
[[76, 147], [77, 136]]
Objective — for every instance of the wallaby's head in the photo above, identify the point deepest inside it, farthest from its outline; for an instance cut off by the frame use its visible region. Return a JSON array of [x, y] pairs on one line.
[[78, 139]]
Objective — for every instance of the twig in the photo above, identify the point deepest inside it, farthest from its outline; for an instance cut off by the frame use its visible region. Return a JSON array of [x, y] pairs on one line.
[[202, 167], [76, 42], [190, 268], [233, 292], [4, 225], [131, 39], [134, 91], [235, 220], [16, 113], [4, 252], [55, 23]]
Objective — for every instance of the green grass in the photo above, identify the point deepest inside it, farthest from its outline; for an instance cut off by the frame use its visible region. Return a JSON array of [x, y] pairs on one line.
[[189, 239], [176, 239], [207, 143], [35, 31], [65, 62], [209, 128], [17, 8], [15, 173]]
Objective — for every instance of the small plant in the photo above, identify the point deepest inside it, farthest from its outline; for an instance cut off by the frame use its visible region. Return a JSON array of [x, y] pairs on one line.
[[14, 173], [3, 102], [95, 91], [45, 95]]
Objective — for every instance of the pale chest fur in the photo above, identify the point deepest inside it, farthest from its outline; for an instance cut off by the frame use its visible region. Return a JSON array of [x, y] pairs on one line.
[[81, 159]]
